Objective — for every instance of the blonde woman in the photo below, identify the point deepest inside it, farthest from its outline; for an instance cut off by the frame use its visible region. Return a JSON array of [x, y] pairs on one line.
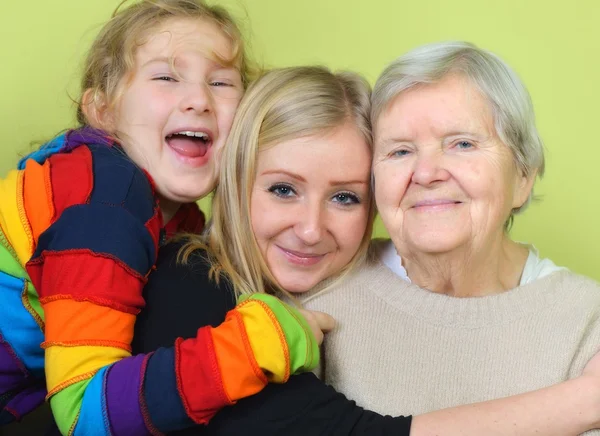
[[292, 211]]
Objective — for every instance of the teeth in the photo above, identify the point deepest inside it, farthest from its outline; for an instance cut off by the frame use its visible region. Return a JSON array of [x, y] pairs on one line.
[[193, 134]]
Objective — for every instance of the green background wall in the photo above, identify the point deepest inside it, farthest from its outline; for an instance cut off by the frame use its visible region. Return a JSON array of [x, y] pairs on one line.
[[554, 46]]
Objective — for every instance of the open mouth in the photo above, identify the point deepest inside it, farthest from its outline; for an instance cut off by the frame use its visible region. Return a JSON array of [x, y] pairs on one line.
[[189, 143]]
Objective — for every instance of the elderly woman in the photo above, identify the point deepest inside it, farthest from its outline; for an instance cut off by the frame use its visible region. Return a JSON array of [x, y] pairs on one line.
[[460, 312]]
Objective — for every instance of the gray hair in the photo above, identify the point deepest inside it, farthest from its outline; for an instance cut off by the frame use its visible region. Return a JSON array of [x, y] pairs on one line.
[[511, 104]]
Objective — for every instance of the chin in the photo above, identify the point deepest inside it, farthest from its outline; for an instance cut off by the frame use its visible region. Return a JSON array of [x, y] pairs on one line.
[[183, 195], [296, 287], [435, 246]]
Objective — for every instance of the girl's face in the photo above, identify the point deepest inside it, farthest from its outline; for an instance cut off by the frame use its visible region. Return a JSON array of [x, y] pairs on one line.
[[176, 112], [310, 205]]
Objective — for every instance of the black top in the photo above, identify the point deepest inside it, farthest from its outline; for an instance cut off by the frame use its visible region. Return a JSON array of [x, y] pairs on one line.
[[181, 298]]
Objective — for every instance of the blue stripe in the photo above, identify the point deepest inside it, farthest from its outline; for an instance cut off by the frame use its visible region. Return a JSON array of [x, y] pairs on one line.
[[102, 229], [45, 151], [118, 181], [18, 327], [92, 419], [163, 402]]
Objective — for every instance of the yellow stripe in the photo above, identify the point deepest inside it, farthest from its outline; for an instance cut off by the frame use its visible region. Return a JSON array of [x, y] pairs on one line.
[[68, 365], [265, 340], [13, 216]]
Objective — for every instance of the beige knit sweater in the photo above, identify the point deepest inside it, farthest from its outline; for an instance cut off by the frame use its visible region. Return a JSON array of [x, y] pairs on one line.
[[400, 349]]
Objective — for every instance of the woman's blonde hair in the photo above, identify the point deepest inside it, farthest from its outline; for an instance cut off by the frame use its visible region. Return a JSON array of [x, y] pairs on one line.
[[112, 55], [283, 104]]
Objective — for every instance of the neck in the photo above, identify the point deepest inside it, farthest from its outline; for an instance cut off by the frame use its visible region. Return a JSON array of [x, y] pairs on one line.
[[168, 209], [468, 271]]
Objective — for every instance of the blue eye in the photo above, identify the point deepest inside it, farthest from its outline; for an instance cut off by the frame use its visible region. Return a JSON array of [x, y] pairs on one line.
[[464, 145], [346, 198], [400, 153], [283, 191]]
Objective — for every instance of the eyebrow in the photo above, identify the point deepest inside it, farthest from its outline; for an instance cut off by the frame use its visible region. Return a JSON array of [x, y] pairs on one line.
[[158, 60], [302, 179], [173, 60]]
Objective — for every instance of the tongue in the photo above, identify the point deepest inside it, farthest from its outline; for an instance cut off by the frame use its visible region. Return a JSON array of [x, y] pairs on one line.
[[188, 147]]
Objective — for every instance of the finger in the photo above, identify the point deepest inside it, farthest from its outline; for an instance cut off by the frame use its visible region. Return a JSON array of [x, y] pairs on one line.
[[325, 321]]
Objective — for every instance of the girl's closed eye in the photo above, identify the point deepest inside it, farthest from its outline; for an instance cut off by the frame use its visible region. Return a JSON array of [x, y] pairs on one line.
[[346, 198], [282, 190], [221, 83], [165, 78]]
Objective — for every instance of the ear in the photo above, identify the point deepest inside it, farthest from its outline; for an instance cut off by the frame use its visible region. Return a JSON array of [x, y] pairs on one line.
[[523, 187], [94, 106]]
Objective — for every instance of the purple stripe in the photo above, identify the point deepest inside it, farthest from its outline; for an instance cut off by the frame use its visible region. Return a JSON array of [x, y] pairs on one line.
[[85, 136], [27, 400], [12, 372], [123, 397]]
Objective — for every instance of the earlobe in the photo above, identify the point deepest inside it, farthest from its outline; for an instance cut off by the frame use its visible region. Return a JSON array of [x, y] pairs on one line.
[[524, 187], [95, 108]]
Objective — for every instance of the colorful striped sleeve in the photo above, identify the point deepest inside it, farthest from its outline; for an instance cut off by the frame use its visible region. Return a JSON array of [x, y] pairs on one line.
[[93, 254], [22, 385]]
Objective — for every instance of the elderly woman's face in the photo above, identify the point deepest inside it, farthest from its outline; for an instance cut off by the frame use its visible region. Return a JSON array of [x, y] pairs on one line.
[[443, 178]]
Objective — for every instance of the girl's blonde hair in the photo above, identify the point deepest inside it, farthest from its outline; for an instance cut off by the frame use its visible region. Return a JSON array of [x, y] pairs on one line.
[[112, 55], [283, 104]]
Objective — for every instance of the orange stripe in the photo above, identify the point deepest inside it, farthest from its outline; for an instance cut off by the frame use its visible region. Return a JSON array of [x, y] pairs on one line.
[[239, 370], [70, 322], [38, 197]]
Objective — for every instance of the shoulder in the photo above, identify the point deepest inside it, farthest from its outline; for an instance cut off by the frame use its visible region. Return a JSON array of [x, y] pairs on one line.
[[576, 282], [573, 289]]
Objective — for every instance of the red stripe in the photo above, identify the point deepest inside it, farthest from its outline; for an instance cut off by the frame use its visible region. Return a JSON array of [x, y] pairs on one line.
[[153, 225], [64, 169], [85, 276], [199, 378]]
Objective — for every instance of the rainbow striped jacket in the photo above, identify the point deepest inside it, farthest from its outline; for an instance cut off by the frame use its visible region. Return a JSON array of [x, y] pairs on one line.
[[79, 234]]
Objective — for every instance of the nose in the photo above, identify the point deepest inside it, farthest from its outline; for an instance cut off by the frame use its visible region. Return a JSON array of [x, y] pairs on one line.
[[429, 168], [196, 98], [310, 227]]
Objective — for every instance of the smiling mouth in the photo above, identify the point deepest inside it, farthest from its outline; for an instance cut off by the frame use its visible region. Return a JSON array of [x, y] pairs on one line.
[[435, 204], [190, 144], [299, 258]]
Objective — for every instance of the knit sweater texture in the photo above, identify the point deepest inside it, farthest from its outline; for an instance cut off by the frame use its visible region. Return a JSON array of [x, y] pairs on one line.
[[400, 348]]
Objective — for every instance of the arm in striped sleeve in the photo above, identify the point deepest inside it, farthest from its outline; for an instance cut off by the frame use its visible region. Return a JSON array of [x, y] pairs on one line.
[[90, 267]]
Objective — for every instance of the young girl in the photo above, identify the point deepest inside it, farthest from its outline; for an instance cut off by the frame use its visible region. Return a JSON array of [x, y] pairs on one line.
[[295, 184], [80, 228]]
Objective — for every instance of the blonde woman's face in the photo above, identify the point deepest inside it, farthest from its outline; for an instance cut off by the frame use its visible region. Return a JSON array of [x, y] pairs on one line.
[[178, 109], [310, 205]]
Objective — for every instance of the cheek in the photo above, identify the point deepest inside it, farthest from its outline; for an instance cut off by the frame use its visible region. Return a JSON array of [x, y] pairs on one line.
[[391, 182], [350, 232], [267, 219], [482, 180], [225, 113]]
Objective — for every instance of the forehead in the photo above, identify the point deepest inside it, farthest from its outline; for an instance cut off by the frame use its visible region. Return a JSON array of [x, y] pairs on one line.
[[454, 104], [341, 155], [184, 36]]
